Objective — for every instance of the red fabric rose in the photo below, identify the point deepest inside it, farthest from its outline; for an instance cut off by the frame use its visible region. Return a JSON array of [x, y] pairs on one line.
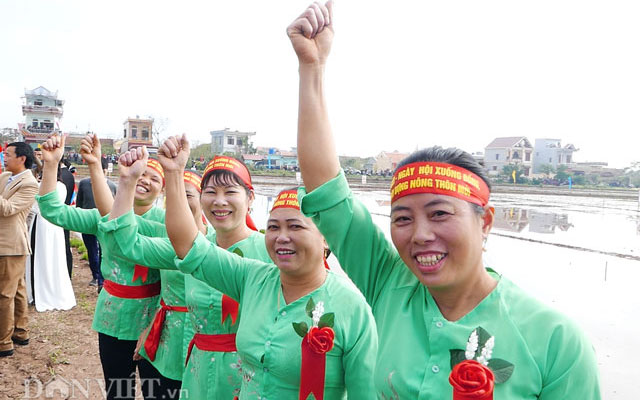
[[471, 381], [321, 339]]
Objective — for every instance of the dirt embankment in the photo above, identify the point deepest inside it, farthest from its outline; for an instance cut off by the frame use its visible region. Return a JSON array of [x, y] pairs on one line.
[[61, 361]]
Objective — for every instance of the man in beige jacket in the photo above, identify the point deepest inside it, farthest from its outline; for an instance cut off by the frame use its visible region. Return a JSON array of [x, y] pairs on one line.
[[18, 188]]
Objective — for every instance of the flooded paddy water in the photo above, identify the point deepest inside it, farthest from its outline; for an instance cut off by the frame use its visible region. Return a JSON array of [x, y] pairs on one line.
[[580, 255]]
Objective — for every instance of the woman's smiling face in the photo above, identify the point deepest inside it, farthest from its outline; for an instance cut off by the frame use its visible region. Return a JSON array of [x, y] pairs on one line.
[[440, 238], [148, 187]]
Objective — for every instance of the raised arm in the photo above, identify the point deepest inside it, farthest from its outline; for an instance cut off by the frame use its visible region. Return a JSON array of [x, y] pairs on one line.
[[131, 166], [311, 35], [181, 228], [52, 151], [51, 208], [91, 153]]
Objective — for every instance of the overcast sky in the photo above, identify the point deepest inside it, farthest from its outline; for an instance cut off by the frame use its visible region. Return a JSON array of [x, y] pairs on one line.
[[402, 74]]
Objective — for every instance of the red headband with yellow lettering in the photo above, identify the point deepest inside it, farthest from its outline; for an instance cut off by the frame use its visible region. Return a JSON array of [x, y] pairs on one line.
[[439, 178], [224, 163], [287, 199], [193, 178], [229, 164], [155, 165]]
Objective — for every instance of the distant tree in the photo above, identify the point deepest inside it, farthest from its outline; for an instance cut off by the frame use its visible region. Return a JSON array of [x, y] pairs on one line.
[[158, 130], [547, 169], [578, 179], [203, 150], [593, 179], [561, 174], [507, 172], [108, 149], [633, 173], [249, 148]]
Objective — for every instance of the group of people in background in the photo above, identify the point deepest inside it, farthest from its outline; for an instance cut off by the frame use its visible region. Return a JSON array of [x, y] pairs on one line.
[[207, 307]]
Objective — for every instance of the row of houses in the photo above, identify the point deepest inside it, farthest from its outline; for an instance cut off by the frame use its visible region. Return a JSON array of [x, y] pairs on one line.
[[518, 150]]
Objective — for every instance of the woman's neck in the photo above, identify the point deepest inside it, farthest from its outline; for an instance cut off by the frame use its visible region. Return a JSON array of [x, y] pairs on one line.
[[456, 302], [141, 209], [297, 286], [229, 238]]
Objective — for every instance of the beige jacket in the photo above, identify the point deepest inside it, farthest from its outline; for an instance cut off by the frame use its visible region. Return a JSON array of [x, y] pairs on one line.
[[16, 200]]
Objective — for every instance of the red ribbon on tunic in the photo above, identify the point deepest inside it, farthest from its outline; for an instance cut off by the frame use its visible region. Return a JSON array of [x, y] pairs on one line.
[[131, 292], [224, 343], [315, 345], [153, 339], [140, 271], [229, 308]]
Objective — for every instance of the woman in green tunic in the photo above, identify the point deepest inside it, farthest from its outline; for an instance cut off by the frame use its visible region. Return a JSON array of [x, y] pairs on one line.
[[441, 315], [130, 296], [306, 330], [209, 337]]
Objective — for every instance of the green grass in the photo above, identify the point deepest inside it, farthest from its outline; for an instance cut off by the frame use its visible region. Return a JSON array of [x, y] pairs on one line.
[[79, 245]]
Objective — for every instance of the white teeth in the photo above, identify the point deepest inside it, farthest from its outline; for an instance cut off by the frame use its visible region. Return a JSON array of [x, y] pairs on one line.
[[429, 260], [221, 213], [285, 252]]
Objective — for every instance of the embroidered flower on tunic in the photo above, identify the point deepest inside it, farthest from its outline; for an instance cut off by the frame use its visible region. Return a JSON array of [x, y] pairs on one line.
[[317, 312], [472, 345]]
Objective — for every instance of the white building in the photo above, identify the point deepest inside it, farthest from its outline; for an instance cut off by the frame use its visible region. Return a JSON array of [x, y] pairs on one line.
[[508, 150], [42, 111], [551, 152], [230, 141]]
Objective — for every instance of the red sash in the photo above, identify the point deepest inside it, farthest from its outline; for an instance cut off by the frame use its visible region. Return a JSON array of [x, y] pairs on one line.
[[153, 339], [223, 343], [131, 292]]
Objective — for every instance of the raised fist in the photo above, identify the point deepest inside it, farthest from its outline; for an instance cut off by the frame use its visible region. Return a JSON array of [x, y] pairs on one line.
[[174, 152], [311, 33], [90, 149], [133, 163], [53, 148]]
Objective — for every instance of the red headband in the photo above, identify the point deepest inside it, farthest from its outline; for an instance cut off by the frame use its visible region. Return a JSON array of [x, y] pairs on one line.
[[287, 199], [155, 165], [225, 163], [439, 178], [193, 178]]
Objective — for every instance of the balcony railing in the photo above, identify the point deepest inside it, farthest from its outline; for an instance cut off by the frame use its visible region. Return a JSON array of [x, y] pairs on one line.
[[37, 129], [42, 109]]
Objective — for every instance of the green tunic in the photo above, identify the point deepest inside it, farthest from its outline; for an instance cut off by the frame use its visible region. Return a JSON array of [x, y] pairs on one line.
[[208, 374], [552, 358], [121, 318], [170, 355], [269, 347]]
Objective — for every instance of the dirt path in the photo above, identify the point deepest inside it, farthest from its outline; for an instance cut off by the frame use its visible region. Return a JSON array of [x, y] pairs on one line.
[[62, 356]]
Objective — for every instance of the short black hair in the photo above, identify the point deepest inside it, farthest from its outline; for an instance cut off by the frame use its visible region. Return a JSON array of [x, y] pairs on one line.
[[451, 155], [23, 149]]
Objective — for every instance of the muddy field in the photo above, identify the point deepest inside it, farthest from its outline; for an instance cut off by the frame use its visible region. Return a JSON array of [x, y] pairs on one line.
[[61, 360]]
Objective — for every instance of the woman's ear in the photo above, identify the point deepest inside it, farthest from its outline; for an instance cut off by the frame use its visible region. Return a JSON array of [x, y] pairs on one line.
[[487, 219]]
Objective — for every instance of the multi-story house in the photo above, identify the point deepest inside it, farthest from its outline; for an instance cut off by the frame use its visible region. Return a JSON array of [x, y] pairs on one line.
[[42, 111], [508, 150], [227, 141], [551, 152]]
